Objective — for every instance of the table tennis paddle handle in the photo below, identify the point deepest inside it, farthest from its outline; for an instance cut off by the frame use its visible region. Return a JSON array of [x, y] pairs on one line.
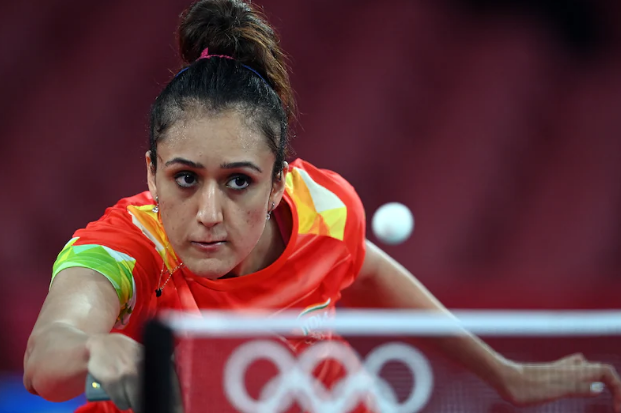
[[94, 392]]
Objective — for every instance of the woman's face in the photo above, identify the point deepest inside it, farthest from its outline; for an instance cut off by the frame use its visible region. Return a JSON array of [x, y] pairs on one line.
[[214, 185]]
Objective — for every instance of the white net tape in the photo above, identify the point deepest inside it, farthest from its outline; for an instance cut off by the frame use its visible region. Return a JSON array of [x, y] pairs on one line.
[[418, 323]]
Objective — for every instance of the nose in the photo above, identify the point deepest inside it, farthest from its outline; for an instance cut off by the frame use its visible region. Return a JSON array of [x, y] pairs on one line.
[[209, 205]]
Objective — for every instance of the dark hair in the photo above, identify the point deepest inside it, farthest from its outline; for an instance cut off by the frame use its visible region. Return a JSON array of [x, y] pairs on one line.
[[236, 29]]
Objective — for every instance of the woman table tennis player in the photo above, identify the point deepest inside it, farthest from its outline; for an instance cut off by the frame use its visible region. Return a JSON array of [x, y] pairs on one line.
[[226, 223]]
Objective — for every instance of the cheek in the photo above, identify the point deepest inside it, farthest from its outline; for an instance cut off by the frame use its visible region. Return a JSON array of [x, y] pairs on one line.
[[256, 216], [248, 223], [174, 217]]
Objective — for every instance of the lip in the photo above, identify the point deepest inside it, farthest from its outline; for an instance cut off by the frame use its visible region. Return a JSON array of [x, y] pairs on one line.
[[212, 246]]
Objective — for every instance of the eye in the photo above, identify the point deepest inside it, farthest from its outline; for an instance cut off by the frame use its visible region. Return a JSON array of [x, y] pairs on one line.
[[239, 182], [185, 179]]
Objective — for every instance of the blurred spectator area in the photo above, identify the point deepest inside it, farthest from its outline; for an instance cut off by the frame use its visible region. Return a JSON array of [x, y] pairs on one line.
[[497, 122]]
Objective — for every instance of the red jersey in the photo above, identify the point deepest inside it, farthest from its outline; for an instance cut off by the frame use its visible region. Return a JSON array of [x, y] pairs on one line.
[[324, 253]]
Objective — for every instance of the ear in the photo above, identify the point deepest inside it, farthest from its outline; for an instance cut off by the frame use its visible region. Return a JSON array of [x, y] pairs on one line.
[[278, 186], [151, 175]]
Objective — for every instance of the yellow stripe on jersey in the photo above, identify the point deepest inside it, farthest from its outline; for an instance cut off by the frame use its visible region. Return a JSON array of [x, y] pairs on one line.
[[320, 211], [144, 218]]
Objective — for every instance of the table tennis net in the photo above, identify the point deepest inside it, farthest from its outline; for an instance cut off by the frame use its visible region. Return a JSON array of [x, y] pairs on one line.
[[366, 361]]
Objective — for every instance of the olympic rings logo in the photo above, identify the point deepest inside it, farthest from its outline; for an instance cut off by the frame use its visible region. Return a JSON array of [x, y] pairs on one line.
[[295, 381]]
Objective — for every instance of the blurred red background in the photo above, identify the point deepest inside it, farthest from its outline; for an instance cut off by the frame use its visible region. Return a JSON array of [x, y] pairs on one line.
[[498, 125]]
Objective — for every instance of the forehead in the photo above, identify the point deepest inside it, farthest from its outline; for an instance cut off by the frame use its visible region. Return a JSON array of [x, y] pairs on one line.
[[224, 133]]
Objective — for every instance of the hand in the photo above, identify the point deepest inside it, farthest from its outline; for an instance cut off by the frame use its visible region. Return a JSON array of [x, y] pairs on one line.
[[572, 376], [115, 361]]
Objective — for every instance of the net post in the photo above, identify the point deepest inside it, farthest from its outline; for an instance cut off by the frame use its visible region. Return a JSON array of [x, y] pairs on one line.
[[157, 388]]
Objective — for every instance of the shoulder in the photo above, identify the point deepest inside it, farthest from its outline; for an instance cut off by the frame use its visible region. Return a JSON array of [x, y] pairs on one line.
[[128, 208], [326, 188], [125, 245], [132, 217], [328, 205], [326, 202], [129, 231]]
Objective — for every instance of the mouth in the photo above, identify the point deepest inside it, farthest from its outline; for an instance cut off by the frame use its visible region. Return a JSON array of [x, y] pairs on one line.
[[208, 246]]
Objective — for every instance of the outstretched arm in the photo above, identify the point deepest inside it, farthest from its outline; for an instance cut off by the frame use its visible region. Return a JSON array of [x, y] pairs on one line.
[[81, 304], [384, 283], [72, 337]]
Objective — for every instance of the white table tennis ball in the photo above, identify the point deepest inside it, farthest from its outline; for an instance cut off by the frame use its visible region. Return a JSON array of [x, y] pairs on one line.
[[393, 223]]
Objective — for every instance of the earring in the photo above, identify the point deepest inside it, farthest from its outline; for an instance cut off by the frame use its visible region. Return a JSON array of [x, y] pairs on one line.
[[269, 213], [156, 208]]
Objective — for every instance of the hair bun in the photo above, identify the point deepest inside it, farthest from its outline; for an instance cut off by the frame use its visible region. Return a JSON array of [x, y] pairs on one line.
[[237, 29], [213, 24]]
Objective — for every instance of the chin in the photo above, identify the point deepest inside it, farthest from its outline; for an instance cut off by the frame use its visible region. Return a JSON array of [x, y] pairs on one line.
[[211, 269]]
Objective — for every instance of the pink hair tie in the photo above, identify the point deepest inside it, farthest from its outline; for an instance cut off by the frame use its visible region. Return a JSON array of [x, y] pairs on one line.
[[205, 55]]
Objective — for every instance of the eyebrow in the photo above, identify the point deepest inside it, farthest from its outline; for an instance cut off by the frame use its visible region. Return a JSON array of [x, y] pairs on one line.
[[235, 165], [226, 165], [186, 162]]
